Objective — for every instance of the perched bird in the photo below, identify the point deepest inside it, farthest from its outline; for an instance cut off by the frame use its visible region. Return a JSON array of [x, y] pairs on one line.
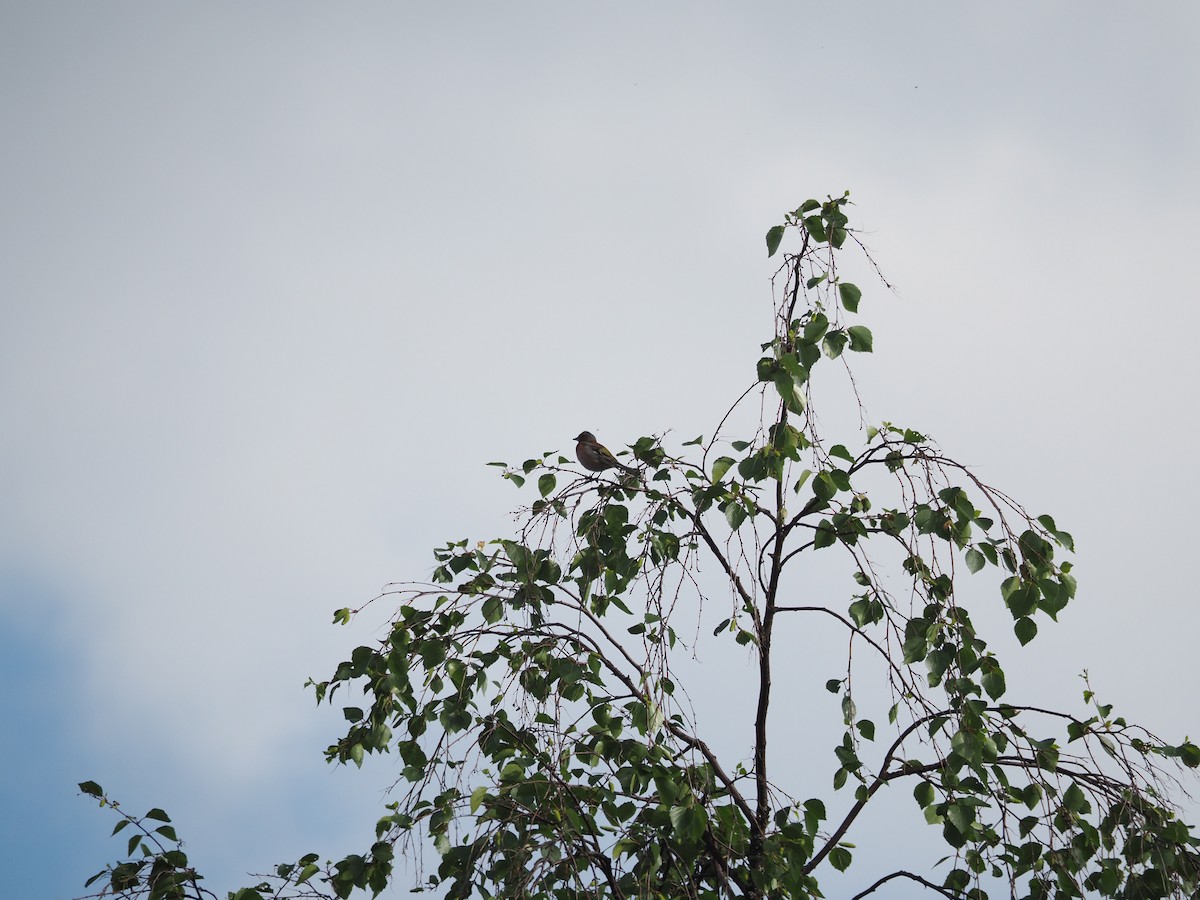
[[594, 456]]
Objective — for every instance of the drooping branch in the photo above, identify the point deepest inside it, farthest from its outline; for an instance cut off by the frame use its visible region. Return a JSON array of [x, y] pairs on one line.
[[734, 578], [909, 875], [880, 781], [899, 672]]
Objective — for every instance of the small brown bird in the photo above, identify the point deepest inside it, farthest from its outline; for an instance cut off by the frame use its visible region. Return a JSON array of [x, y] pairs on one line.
[[594, 456]]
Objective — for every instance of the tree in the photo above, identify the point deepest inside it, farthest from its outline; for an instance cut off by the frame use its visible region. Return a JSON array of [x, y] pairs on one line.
[[548, 750]]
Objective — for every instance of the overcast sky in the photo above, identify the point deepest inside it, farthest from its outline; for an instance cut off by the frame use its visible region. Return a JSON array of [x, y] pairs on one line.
[[278, 279]]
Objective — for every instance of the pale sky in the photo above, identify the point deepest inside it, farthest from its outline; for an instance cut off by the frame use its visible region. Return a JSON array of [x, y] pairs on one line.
[[279, 279]]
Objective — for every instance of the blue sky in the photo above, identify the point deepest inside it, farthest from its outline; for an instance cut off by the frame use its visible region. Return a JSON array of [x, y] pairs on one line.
[[277, 281]]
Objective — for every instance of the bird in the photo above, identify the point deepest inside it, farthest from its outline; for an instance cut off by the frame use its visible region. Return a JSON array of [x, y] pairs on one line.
[[594, 456]]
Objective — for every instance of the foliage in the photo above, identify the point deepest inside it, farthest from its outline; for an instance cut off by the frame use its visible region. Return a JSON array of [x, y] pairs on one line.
[[545, 749]]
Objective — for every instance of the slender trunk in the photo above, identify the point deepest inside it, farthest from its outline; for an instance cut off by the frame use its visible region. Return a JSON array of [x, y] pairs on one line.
[[762, 811]]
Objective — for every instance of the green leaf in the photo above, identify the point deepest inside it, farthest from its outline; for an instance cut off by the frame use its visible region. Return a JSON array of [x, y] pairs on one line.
[[833, 685], [975, 560], [839, 858], [840, 451], [866, 728], [815, 227], [1035, 550], [850, 295], [804, 476], [860, 611], [125, 876], [546, 483], [1189, 754], [1023, 600], [824, 487], [790, 392], [1046, 755], [923, 793], [91, 788], [493, 610], [1075, 800], [960, 815], [678, 819], [915, 648], [825, 535], [993, 683], [814, 815], [957, 880], [477, 797], [816, 328], [721, 466], [1025, 630], [834, 343], [1032, 795], [861, 340], [774, 236], [689, 821], [735, 515]]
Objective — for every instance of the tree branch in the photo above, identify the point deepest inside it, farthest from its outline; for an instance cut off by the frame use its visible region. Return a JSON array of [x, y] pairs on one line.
[[725, 564], [909, 875], [880, 780], [829, 612]]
